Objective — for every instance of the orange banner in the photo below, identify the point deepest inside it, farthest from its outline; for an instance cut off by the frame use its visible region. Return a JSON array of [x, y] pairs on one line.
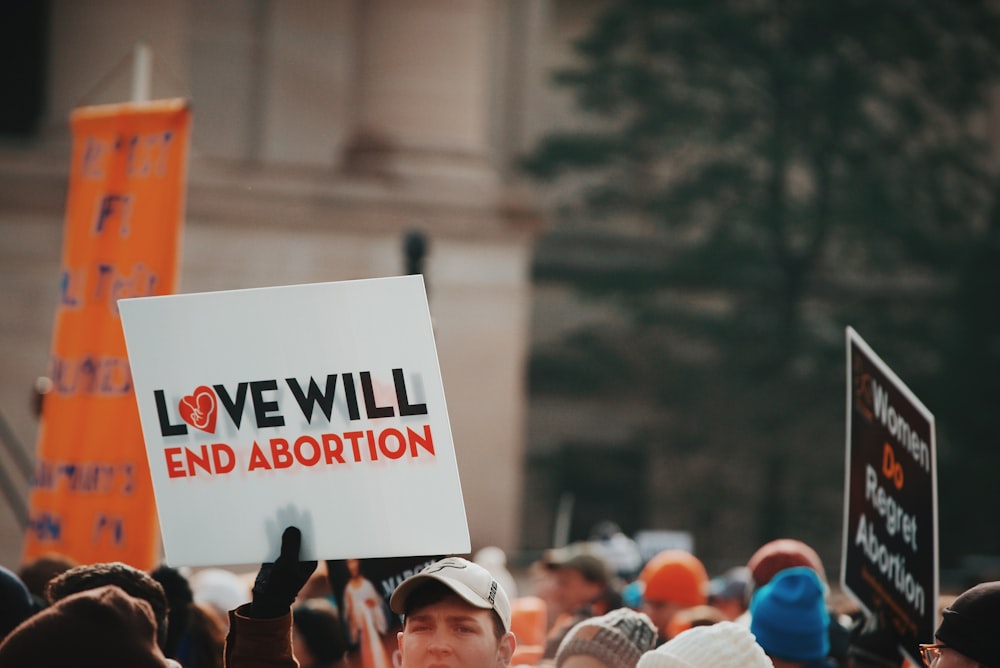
[[91, 497]]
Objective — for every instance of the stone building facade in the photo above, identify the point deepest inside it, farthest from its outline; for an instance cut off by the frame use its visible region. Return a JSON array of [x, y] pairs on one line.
[[324, 132]]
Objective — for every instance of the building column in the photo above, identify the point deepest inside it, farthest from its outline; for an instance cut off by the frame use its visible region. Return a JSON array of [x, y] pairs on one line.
[[423, 76]]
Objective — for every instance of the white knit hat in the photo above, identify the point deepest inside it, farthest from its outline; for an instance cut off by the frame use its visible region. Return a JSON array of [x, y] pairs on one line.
[[721, 645]]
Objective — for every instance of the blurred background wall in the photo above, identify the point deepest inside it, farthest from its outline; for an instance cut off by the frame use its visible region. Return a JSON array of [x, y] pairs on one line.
[[647, 225], [326, 135]]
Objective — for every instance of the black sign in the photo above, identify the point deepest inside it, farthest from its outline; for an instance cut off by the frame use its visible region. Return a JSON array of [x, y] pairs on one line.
[[890, 558]]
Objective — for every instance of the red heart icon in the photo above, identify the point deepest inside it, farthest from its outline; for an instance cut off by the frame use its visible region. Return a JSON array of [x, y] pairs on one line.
[[198, 409]]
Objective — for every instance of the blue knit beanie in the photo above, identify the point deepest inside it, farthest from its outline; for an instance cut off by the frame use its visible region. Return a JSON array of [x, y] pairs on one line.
[[788, 616]]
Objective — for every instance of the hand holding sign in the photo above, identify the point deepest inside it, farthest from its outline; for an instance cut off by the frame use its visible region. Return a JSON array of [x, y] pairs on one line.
[[278, 583]]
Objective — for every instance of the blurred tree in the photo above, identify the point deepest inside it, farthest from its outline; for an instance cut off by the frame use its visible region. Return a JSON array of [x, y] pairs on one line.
[[777, 142]]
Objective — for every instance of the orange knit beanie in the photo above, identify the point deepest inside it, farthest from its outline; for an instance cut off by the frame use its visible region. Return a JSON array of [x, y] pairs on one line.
[[675, 576]]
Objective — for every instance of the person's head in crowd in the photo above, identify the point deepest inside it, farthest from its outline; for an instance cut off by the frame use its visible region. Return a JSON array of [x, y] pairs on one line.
[[103, 626], [454, 613], [179, 598], [618, 549], [36, 574], [632, 594], [613, 640], [16, 604], [582, 588], [219, 591], [779, 554], [672, 581], [194, 636], [730, 592], [204, 642], [722, 645], [131, 580], [782, 553], [318, 639], [969, 633], [789, 618], [699, 615], [580, 578], [494, 559]]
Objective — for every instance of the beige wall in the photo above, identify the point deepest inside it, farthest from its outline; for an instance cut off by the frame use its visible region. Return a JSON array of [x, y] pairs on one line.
[[279, 92]]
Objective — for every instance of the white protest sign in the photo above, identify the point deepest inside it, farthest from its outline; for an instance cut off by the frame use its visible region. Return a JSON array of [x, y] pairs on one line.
[[319, 406]]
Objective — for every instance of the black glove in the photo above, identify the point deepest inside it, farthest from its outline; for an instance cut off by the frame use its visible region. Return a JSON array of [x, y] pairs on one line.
[[278, 583]]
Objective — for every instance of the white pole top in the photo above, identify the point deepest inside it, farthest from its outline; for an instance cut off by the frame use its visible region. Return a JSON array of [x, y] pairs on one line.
[[142, 73]]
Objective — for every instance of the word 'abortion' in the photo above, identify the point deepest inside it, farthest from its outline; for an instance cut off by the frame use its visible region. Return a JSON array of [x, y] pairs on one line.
[[892, 565], [306, 451]]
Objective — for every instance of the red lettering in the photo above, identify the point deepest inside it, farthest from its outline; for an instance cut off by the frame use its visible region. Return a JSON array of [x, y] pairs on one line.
[[279, 453], [400, 450], [330, 453], [311, 442], [892, 469], [257, 459], [175, 468], [330, 448], [888, 461], [353, 437], [426, 442], [218, 450], [202, 461]]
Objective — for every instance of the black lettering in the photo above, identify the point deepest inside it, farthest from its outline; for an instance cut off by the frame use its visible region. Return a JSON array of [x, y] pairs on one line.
[[261, 408], [405, 407], [234, 408], [167, 429], [306, 401], [352, 397], [371, 408]]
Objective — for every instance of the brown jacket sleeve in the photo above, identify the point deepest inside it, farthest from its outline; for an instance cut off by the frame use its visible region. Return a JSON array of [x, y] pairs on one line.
[[259, 643]]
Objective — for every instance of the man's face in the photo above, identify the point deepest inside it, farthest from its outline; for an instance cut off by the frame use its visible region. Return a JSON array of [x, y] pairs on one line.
[[572, 591], [453, 634]]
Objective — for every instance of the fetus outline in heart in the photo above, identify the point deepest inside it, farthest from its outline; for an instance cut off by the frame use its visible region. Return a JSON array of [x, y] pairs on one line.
[[198, 409]]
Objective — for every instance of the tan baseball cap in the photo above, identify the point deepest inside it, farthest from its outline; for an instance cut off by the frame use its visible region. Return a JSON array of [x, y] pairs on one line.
[[470, 581]]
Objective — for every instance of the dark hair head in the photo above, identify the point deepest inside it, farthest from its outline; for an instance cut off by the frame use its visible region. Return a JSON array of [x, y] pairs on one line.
[[969, 624], [317, 623], [16, 603], [180, 601], [37, 573], [132, 581], [433, 591]]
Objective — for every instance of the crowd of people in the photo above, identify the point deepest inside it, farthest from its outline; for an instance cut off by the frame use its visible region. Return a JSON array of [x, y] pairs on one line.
[[591, 606]]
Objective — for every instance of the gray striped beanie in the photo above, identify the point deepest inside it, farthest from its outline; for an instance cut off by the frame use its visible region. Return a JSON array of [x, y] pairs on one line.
[[616, 639]]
